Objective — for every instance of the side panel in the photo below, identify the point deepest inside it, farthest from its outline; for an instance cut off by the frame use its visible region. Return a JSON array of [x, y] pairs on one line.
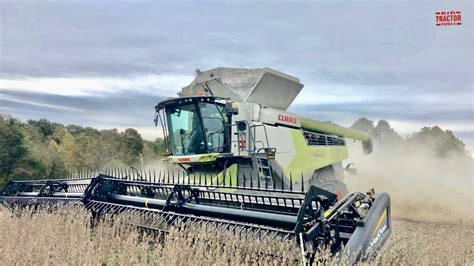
[[375, 229], [281, 139], [308, 158]]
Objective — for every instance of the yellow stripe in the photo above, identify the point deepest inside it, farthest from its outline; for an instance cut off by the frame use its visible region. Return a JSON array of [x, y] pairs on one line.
[[326, 213], [146, 203], [379, 222]]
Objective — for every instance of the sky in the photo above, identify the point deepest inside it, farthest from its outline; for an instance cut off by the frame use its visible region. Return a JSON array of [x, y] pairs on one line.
[[106, 64]]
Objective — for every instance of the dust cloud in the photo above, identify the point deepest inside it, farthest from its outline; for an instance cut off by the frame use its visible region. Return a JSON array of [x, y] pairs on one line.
[[422, 186]]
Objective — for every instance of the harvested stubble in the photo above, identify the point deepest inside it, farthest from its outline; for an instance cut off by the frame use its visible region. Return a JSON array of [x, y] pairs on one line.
[[65, 237], [423, 243]]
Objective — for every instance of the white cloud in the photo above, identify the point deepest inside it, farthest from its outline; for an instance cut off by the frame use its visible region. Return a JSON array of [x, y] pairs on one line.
[[330, 93], [95, 86], [35, 103], [407, 127], [148, 133]]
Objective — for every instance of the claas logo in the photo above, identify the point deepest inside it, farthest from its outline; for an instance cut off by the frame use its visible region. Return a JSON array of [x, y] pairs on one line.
[[287, 119], [184, 159]]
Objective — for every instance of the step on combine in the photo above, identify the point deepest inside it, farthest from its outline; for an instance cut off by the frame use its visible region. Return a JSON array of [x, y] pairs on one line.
[[246, 165]]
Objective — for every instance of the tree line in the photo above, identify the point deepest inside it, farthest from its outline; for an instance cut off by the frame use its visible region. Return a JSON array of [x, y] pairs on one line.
[[441, 142], [41, 148]]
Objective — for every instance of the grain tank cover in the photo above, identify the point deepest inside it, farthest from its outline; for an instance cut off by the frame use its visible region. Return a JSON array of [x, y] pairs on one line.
[[265, 86]]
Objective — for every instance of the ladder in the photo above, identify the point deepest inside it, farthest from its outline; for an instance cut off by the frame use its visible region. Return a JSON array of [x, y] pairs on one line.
[[265, 173]]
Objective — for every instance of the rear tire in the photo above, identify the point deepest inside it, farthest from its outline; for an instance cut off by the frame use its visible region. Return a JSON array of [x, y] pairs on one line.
[[326, 179]]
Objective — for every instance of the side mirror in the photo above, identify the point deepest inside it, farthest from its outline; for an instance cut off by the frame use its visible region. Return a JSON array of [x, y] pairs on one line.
[[156, 119]]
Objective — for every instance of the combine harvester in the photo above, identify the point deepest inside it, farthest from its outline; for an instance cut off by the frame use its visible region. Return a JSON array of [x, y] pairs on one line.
[[250, 167]]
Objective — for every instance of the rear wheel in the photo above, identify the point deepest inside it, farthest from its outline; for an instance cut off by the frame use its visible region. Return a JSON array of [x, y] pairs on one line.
[[326, 179]]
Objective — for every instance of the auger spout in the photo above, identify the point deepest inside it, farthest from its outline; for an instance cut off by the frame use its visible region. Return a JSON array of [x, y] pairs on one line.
[[334, 129]]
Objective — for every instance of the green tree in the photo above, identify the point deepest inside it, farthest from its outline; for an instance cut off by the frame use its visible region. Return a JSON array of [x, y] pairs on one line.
[[57, 166], [109, 148], [88, 152], [46, 128], [160, 146], [443, 142], [131, 146], [30, 168], [363, 124], [74, 129], [385, 133], [12, 150], [68, 150]]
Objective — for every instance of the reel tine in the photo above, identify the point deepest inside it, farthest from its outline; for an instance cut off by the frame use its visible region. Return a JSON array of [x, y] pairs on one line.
[[273, 181], [258, 181], [251, 180], [291, 182], [302, 182], [282, 183]]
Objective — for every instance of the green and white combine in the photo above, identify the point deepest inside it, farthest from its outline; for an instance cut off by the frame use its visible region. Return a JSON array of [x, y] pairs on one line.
[[248, 166], [235, 122]]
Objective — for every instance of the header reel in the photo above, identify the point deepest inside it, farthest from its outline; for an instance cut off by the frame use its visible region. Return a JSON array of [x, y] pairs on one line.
[[26, 193], [314, 220]]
